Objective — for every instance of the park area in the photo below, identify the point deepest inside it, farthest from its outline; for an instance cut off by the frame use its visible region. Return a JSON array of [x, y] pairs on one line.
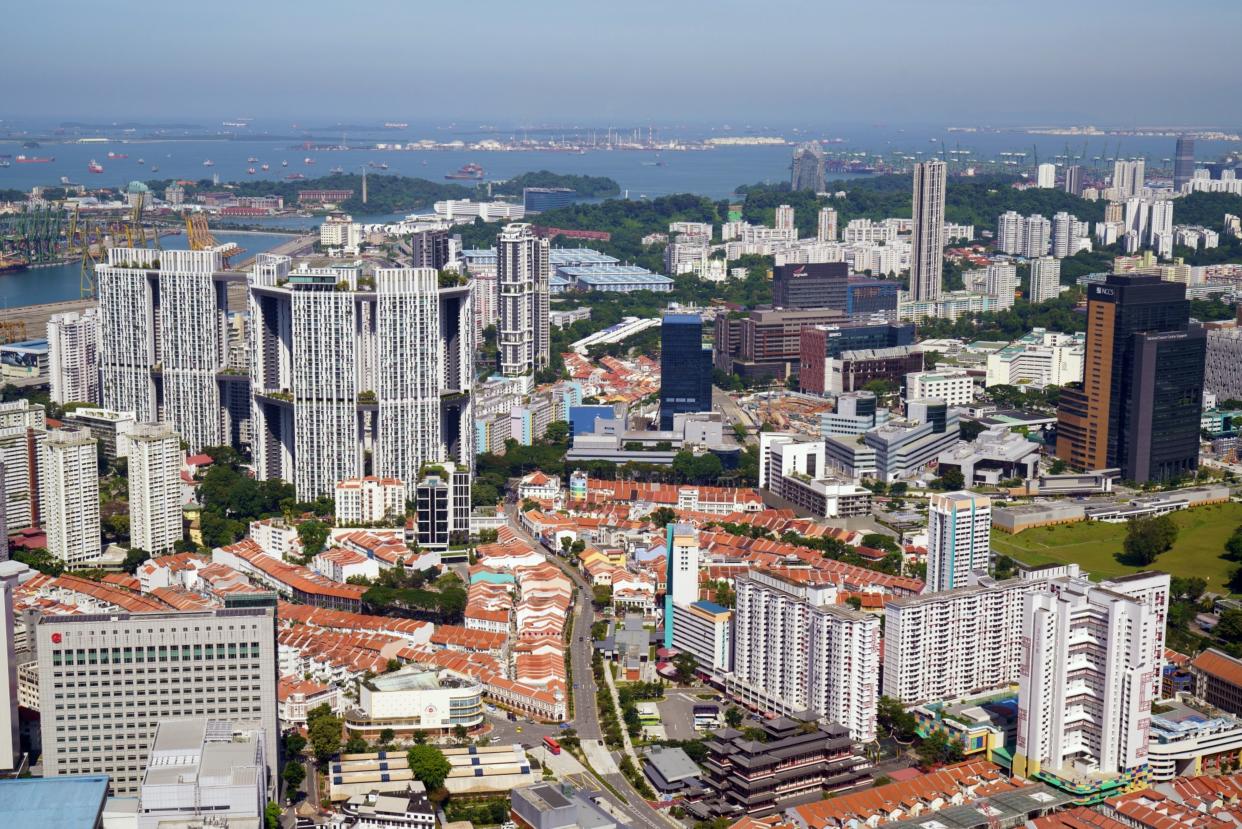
[[1095, 546]]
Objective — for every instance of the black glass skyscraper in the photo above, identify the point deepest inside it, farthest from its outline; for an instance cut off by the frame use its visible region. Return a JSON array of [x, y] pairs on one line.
[[1139, 405], [685, 368], [1183, 162]]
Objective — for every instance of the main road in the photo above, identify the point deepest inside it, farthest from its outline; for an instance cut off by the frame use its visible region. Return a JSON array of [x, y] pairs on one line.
[[586, 715]]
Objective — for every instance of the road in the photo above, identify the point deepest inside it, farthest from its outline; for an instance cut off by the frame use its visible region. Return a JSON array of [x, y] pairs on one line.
[[722, 402], [586, 715]]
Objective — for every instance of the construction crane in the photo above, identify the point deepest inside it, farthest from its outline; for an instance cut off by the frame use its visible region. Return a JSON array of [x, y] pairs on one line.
[[12, 331], [196, 232]]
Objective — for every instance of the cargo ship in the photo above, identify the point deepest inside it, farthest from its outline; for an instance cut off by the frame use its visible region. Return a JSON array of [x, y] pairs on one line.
[[294, 177], [12, 264], [308, 160], [94, 166], [35, 159], [252, 160], [117, 155], [250, 170], [395, 125], [209, 163], [263, 167], [4, 162], [467, 172]]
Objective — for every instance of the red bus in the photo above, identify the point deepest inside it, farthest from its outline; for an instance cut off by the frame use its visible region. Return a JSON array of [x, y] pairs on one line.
[[553, 745]]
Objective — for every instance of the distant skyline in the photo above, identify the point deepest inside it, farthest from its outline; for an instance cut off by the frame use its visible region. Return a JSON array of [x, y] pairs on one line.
[[780, 62]]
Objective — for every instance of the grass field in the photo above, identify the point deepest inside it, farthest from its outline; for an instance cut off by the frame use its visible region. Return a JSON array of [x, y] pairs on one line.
[[1201, 537]]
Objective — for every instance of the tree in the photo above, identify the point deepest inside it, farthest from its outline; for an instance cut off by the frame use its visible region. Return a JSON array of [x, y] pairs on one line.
[[459, 731], [356, 744], [686, 666], [294, 743], [662, 516], [891, 716], [854, 602], [733, 716], [134, 559], [1147, 538], [952, 479], [1229, 628], [1189, 588], [558, 432], [1057, 468], [428, 765], [324, 729], [271, 815], [387, 736], [937, 748], [313, 534], [293, 775], [393, 666]]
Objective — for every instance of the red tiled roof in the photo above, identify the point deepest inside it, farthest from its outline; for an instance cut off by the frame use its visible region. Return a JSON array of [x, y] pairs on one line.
[[1219, 665]]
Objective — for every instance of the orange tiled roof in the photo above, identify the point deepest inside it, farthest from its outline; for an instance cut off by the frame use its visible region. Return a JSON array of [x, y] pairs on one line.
[[1217, 664]]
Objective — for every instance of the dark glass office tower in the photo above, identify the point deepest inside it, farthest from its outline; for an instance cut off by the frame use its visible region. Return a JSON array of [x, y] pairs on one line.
[[819, 285], [1140, 401], [1183, 162], [685, 368]]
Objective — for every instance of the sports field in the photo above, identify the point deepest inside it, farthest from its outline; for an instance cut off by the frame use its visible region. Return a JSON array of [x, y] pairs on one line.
[[1094, 545]]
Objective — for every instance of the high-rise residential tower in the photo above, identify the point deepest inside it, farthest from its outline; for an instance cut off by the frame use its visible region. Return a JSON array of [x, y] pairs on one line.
[[163, 340], [785, 217], [344, 363], [795, 648], [826, 226], [1045, 278], [807, 169], [522, 306], [1073, 179], [1046, 176], [23, 429], [69, 493], [154, 488], [138, 670], [1084, 689], [73, 356], [1139, 405], [1183, 162], [682, 545], [1128, 178], [430, 249], [927, 243], [685, 368], [959, 539]]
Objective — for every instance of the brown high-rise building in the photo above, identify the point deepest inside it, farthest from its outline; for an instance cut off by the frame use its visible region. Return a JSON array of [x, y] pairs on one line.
[[1139, 404]]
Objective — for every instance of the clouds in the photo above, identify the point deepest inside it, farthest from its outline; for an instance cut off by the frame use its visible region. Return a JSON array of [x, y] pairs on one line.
[[780, 60]]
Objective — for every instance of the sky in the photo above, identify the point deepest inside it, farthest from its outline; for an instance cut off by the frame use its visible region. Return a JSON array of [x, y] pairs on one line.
[[1117, 63]]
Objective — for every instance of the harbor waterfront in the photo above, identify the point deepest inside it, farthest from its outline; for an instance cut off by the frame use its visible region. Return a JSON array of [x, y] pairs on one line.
[[40, 286]]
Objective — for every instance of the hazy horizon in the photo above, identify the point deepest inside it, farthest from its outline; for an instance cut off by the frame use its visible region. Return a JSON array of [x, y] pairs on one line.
[[780, 63]]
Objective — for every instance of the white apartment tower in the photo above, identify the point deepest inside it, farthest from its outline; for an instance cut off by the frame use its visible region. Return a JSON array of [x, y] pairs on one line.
[[826, 228], [69, 495], [73, 358], [682, 543], [154, 488], [1128, 178], [959, 539], [141, 670], [343, 363], [163, 339], [12, 573], [953, 643], [522, 274], [794, 649], [1036, 236], [23, 429], [927, 243], [784, 217], [1009, 232], [1085, 685], [369, 500], [1046, 176], [1045, 278]]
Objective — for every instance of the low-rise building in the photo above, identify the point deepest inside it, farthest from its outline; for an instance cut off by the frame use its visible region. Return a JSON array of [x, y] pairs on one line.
[[1186, 741], [544, 806], [414, 700], [956, 388], [204, 768], [704, 630], [995, 455], [369, 500], [808, 763], [409, 809]]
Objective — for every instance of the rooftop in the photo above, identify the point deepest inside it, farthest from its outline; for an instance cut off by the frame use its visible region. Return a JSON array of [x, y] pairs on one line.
[[69, 800]]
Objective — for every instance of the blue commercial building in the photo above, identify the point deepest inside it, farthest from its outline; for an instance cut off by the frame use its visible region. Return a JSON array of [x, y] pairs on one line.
[[66, 802], [582, 418], [685, 368], [864, 295], [539, 199]]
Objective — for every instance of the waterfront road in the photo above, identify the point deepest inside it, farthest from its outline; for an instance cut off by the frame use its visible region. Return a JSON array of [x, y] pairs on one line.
[[586, 717]]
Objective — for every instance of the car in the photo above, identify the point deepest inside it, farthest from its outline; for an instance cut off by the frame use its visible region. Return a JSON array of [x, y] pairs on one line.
[[580, 639], [519, 729]]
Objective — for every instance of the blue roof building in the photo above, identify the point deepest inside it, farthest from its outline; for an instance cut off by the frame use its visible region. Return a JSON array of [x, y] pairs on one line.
[[64, 802]]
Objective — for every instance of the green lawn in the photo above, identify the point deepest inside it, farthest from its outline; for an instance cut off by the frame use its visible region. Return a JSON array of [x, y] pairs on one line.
[[1094, 545]]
